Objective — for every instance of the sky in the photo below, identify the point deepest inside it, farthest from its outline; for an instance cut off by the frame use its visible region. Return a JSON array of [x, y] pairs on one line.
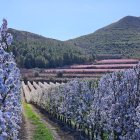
[[65, 19]]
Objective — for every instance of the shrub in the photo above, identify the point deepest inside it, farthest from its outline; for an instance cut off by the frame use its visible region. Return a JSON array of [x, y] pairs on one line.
[[60, 74], [36, 74]]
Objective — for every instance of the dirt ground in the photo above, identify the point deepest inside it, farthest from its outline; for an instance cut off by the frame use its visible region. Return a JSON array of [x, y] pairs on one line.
[[59, 131], [27, 128]]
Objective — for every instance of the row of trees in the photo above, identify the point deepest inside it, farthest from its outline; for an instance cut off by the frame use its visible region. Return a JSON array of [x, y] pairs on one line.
[[111, 107], [10, 99], [32, 61]]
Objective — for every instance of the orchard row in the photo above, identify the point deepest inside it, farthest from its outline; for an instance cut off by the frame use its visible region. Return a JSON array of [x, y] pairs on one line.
[[104, 109]]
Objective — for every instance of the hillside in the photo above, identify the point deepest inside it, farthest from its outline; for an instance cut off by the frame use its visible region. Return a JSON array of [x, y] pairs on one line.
[[33, 50], [120, 39]]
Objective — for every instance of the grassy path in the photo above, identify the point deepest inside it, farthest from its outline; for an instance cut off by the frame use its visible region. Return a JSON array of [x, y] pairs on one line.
[[38, 126], [36, 129], [59, 130]]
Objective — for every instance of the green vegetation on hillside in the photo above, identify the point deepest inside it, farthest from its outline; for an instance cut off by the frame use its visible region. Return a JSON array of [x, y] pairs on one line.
[[120, 39], [32, 51]]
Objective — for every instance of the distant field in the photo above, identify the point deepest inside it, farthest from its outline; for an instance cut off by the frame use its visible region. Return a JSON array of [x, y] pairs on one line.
[[84, 71], [118, 61], [103, 66]]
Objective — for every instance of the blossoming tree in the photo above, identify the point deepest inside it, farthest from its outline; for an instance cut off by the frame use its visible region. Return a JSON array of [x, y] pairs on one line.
[[10, 98]]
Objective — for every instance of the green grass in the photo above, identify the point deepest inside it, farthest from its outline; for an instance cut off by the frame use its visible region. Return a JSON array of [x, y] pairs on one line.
[[41, 131]]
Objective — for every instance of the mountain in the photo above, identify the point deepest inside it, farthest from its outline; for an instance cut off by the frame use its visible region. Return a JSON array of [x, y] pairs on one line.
[[32, 50], [120, 39], [117, 40]]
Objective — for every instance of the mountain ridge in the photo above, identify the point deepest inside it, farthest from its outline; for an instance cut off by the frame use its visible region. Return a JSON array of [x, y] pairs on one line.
[[120, 39], [116, 38], [126, 18]]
